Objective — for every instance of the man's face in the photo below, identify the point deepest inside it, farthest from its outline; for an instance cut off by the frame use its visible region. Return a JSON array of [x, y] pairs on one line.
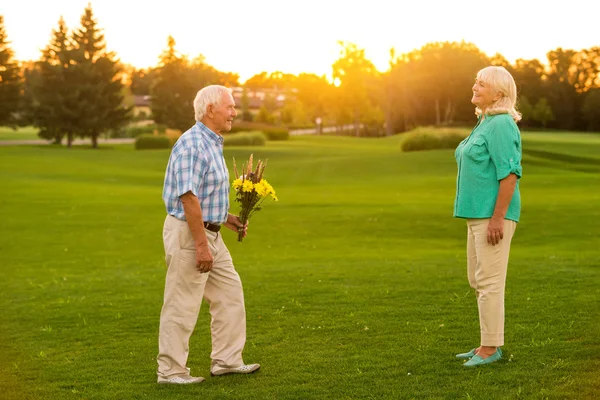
[[222, 115]]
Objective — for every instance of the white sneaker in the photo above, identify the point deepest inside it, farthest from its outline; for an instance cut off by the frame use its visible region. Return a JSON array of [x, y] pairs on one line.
[[181, 380], [244, 369]]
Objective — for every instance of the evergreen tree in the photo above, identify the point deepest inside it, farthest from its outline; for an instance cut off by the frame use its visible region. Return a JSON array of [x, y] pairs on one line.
[[96, 79], [10, 81], [175, 84], [172, 91], [51, 100]]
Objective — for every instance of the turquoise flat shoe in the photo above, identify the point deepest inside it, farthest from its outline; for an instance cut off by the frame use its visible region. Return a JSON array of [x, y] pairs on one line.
[[476, 360], [466, 355]]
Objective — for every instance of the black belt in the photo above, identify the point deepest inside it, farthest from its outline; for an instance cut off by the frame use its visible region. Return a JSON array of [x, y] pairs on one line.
[[212, 227]]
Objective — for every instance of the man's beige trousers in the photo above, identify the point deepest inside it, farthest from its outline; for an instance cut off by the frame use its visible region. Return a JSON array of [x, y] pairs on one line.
[[487, 265], [184, 289]]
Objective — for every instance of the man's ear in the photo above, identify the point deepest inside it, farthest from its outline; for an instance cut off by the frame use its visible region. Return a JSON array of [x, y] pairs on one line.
[[209, 110]]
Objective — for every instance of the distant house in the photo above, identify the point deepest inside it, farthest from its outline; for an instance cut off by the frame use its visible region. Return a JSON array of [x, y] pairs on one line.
[[256, 98], [141, 105], [141, 100]]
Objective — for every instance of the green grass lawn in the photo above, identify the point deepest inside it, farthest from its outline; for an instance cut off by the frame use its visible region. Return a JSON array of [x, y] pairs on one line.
[[355, 281], [25, 133]]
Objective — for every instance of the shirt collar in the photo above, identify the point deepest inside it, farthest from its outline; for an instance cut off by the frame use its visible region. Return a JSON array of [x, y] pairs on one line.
[[208, 133]]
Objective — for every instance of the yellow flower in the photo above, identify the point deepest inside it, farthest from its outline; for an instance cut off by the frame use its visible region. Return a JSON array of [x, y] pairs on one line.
[[261, 188], [237, 184], [270, 189], [248, 186]]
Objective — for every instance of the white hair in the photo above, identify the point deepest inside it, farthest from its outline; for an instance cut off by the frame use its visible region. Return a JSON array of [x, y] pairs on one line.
[[212, 94], [501, 81]]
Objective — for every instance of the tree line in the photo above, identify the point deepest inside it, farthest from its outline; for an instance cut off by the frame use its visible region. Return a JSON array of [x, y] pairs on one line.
[[432, 86], [79, 89]]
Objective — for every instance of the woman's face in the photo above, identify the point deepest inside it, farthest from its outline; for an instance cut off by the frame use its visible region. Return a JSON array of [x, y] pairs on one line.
[[483, 95]]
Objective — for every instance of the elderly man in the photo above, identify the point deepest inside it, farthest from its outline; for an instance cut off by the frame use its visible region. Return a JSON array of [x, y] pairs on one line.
[[196, 195]]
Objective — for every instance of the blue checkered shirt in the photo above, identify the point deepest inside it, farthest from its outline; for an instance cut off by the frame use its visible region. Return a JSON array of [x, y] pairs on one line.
[[196, 165]]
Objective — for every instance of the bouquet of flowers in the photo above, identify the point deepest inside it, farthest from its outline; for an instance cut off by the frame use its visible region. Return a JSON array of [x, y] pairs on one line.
[[251, 189]]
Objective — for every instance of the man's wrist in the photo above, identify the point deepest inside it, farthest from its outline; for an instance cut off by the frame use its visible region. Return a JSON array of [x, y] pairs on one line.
[[202, 244]]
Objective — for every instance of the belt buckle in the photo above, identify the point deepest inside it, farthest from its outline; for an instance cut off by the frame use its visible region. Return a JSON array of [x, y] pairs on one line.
[[212, 227]]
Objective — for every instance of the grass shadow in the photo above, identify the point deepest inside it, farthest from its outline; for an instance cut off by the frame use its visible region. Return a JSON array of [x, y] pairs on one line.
[[562, 157]]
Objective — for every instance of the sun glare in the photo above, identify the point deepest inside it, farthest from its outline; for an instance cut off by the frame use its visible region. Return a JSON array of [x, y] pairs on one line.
[[253, 42]]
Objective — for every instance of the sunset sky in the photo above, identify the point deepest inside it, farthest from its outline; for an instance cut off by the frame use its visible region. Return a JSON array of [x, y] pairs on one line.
[[249, 37]]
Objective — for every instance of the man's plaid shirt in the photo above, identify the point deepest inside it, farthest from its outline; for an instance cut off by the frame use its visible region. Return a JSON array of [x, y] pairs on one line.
[[196, 165]]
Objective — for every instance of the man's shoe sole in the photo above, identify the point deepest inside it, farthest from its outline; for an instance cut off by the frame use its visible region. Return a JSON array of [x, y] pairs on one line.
[[232, 371], [181, 383]]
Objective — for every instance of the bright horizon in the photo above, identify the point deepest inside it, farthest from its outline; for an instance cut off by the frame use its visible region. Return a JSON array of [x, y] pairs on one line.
[[248, 38]]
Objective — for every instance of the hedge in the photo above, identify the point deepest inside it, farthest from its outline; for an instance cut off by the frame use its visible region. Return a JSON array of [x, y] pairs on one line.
[[149, 141], [270, 131], [252, 138], [427, 138]]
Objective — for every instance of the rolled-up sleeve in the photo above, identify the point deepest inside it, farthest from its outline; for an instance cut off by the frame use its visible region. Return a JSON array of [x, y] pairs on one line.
[[189, 168], [504, 146]]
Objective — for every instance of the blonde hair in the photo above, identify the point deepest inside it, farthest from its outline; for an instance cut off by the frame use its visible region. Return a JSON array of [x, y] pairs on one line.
[[212, 94], [501, 81]]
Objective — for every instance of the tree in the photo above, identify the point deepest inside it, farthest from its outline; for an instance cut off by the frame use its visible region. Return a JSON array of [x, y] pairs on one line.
[[460, 62], [52, 101], [563, 97], [172, 91], [289, 112], [432, 84], [277, 81], [402, 87], [526, 110], [265, 116], [202, 74], [532, 87], [270, 102], [500, 61], [531, 79], [245, 106], [97, 79], [542, 112], [586, 69], [10, 82], [258, 82], [314, 95], [141, 81], [387, 96], [357, 76], [591, 109], [176, 83]]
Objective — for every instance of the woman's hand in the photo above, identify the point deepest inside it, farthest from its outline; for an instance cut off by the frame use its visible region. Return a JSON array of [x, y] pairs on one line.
[[505, 193], [495, 231]]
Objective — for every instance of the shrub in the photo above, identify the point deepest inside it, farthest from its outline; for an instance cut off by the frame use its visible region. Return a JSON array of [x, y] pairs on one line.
[[276, 133], [252, 138], [173, 135], [245, 126], [429, 138], [148, 141], [302, 126], [272, 132], [134, 131]]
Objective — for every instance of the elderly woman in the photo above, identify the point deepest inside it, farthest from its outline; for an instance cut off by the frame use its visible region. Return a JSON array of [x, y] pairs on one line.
[[487, 196]]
